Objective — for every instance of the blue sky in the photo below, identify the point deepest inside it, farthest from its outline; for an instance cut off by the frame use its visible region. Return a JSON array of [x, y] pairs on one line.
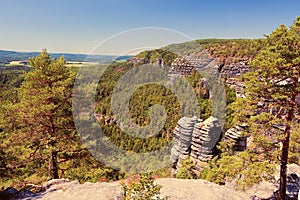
[[78, 26]]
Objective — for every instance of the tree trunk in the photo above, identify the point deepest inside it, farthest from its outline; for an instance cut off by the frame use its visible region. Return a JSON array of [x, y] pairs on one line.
[[53, 165], [284, 157], [283, 169]]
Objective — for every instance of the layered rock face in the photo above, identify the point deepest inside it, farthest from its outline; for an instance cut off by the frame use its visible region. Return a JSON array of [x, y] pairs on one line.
[[183, 133], [235, 70], [235, 134], [196, 139], [185, 65], [205, 137], [231, 74]]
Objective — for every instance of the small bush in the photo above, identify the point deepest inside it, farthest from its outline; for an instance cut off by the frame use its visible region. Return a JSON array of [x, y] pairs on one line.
[[143, 189]]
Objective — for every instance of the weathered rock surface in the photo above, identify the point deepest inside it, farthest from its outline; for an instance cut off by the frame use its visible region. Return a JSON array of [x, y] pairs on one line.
[[205, 137], [185, 65], [175, 189], [183, 138], [232, 72], [59, 189], [184, 189], [235, 70], [235, 134], [73, 190], [195, 138]]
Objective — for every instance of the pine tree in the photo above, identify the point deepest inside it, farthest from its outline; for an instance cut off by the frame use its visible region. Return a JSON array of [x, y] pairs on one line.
[[44, 133], [270, 104]]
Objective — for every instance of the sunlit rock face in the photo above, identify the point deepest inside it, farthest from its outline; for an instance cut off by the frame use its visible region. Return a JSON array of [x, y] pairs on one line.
[[196, 139]]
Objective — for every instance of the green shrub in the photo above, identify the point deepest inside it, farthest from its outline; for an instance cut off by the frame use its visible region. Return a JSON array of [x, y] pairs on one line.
[[143, 189]]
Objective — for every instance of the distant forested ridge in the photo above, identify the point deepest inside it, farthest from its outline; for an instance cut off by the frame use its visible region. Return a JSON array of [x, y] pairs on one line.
[[8, 56]]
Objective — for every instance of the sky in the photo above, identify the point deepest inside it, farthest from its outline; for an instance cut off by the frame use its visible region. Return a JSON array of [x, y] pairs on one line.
[[80, 26]]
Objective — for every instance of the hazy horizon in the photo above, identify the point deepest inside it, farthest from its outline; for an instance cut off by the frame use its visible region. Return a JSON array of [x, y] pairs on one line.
[[77, 27]]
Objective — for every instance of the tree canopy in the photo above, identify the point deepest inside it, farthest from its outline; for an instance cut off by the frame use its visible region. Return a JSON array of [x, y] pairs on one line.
[[39, 138], [269, 111]]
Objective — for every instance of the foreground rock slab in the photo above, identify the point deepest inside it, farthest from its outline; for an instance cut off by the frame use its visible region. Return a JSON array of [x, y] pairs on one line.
[[175, 189], [183, 189], [61, 189]]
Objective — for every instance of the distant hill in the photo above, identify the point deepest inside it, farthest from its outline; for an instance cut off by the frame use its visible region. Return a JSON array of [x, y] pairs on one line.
[[8, 56]]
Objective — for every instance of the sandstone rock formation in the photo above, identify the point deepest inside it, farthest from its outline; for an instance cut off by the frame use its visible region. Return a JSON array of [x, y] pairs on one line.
[[234, 70], [183, 138], [195, 139], [185, 65], [235, 134], [231, 74]]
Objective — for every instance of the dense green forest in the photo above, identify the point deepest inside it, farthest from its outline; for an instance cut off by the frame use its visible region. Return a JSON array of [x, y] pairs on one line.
[[141, 100], [38, 137], [39, 140], [24, 117]]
